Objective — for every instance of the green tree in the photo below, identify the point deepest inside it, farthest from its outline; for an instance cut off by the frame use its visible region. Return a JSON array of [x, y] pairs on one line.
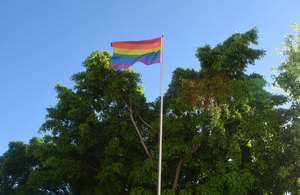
[[15, 167], [98, 143], [208, 109], [288, 79], [223, 132], [289, 69]]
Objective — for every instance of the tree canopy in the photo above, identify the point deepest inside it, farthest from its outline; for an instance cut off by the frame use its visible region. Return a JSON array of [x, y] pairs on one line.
[[223, 132]]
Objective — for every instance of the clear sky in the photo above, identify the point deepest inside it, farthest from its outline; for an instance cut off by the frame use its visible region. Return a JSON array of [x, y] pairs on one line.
[[44, 42]]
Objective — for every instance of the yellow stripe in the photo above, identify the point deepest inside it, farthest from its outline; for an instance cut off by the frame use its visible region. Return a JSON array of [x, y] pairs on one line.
[[134, 51]]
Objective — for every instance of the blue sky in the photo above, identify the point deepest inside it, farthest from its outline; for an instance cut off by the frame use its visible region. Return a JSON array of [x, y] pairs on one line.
[[44, 42]]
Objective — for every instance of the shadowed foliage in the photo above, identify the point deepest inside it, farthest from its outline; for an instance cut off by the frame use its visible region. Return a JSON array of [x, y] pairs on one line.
[[223, 132]]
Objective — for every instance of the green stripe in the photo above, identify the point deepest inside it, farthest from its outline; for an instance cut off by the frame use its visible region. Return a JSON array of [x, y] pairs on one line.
[[116, 55]]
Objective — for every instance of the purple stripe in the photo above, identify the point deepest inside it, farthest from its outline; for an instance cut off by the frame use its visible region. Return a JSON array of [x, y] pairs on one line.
[[123, 66]]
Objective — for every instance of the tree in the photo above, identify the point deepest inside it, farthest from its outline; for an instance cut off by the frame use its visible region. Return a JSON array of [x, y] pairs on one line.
[[289, 70], [215, 99], [223, 132], [288, 79], [15, 167], [95, 131]]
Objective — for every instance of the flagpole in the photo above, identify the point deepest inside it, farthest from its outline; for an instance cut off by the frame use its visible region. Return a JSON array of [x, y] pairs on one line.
[[161, 116]]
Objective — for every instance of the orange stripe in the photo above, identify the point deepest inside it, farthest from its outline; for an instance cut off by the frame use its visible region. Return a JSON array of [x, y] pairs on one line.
[[136, 46]]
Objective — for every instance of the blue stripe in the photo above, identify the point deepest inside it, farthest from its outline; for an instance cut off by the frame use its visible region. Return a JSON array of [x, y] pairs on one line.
[[130, 61]]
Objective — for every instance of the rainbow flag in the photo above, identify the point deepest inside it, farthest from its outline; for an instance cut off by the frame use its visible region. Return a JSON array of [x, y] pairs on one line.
[[126, 53]]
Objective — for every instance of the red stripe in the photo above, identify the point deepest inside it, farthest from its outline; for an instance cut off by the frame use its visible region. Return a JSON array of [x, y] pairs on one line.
[[137, 46], [157, 40]]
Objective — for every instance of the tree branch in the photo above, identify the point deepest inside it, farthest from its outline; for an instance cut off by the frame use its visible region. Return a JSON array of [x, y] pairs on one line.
[[138, 131], [145, 122], [178, 169], [175, 183], [94, 167], [232, 120], [150, 155]]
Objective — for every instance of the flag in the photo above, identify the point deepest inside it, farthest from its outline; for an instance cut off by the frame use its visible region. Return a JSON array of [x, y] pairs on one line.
[[126, 53]]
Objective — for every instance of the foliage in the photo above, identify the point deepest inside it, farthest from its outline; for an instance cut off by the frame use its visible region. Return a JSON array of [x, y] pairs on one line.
[[223, 132], [288, 79], [15, 167]]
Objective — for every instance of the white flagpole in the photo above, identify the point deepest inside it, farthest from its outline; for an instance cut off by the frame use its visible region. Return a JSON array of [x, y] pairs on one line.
[[161, 115]]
